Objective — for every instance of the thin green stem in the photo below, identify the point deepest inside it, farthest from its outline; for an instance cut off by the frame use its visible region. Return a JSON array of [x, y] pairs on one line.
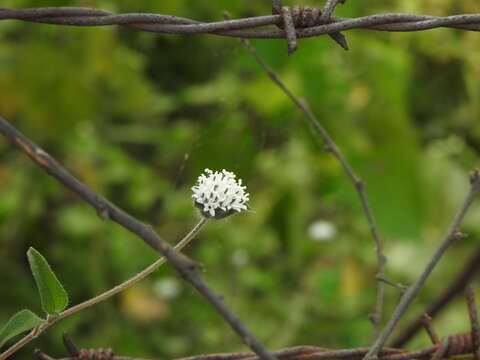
[[107, 294]]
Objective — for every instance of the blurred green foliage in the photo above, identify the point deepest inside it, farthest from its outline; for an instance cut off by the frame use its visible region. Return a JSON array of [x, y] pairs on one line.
[[137, 116]]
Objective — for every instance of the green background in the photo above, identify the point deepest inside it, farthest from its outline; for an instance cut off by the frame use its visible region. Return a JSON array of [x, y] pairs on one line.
[[138, 116]]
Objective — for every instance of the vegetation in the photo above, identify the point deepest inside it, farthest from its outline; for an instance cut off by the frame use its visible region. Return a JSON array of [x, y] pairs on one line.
[[138, 116]]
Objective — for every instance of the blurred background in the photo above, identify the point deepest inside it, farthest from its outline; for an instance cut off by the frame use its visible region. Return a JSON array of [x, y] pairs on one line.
[[138, 116]]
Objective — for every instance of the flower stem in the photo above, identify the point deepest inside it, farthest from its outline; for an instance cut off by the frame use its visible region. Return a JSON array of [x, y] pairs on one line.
[[109, 293]]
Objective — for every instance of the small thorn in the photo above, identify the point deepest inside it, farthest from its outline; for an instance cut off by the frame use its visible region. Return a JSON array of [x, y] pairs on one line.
[[458, 235], [373, 319], [340, 39], [359, 184], [226, 15], [292, 47], [103, 212], [328, 148]]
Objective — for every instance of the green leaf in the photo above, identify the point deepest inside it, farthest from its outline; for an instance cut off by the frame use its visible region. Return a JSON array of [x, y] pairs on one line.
[[22, 321], [52, 294]]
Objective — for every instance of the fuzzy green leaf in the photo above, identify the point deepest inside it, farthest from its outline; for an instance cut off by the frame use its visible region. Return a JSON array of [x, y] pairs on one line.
[[53, 296], [22, 321]]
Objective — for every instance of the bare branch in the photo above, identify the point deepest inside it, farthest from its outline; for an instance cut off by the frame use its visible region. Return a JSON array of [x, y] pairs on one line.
[[186, 268], [453, 234]]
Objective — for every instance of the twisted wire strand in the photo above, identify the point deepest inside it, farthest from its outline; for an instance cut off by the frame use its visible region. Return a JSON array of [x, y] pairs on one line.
[[250, 27]]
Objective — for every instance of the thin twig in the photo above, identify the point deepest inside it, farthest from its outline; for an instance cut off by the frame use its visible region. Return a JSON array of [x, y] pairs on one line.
[[147, 271], [452, 234], [186, 268], [332, 147], [400, 287]]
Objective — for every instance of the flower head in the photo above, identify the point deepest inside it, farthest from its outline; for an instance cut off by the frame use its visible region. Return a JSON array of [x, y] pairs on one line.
[[219, 194]]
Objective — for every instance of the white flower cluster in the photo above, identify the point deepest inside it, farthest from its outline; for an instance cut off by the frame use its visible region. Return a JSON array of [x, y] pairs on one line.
[[218, 194]]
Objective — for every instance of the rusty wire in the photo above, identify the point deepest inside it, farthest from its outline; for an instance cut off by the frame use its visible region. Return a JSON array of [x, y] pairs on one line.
[[251, 27], [455, 346]]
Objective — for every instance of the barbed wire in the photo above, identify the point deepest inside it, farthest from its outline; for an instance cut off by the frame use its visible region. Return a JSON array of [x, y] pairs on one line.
[[250, 27], [455, 346]]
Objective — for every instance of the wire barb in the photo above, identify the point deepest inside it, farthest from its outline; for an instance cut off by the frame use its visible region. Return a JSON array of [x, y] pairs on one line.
[[302, 17]]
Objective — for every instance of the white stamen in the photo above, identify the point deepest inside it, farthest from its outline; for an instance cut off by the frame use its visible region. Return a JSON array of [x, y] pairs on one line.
[[219, 193]]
